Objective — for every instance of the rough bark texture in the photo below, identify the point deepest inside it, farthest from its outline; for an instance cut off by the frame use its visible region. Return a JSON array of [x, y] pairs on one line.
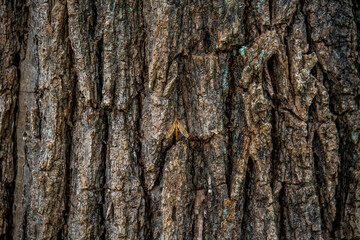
[[269, 91]]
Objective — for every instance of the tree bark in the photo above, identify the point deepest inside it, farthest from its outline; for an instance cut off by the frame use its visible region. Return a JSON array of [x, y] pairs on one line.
[[268, 91]]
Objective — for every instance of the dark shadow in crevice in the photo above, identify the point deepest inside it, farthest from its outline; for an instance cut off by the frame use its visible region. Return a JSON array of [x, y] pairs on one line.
[[342, 189], [99, 70], [229, 102], [282, 212], [92, 19], [69, 136], [247, 197], [271, 10], [10, 187], [301, 6]]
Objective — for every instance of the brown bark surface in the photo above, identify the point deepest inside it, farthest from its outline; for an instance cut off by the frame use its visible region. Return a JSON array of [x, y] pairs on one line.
[[268, 91]]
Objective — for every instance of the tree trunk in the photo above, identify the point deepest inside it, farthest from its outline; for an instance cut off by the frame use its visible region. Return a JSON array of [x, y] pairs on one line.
[[268, 91]]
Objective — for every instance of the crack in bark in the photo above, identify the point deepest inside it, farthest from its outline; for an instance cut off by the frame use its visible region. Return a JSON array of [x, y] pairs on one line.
[[105, 137], [69, 127], [11, 187], [282, 212], [230, 95], [247, 187]]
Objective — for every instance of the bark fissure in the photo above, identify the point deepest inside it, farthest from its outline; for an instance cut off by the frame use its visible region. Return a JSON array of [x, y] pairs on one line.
[[105, 138], [245, 228], [9, 215], [100, 68], [229, 122], [69, 133], [282, 212]]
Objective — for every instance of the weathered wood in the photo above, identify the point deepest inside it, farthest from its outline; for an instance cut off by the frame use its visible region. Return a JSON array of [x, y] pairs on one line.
[[267, 93]]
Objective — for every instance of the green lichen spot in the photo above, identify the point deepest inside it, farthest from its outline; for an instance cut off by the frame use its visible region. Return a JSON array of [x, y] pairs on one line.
[[262, 53], [242, 51], [225, 213], [353, 136], [130, 9], [225, 84]]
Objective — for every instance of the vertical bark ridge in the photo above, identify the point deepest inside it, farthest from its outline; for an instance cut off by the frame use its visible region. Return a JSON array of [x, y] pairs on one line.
[[177, 194], [318, 168], [12, 15], [41, 153], [124, 198], [87, 166], [335, 47]]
